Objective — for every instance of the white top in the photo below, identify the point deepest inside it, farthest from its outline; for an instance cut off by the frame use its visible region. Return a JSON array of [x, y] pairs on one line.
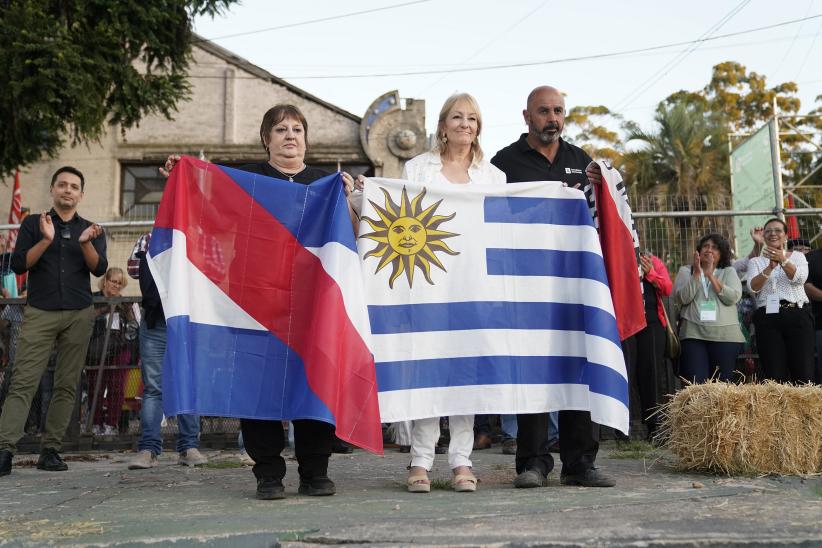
[[779, 283], [425, 167]]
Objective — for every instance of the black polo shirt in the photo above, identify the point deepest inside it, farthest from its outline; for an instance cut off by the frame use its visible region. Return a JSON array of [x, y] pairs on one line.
[[306, 176], [521, 163], [815, 277], [60, 279]]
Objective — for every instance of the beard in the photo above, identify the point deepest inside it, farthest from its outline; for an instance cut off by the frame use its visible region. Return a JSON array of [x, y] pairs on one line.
[[548, 134]]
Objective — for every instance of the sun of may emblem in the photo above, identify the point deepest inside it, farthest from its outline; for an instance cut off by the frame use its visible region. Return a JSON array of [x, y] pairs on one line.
[[407, 236]]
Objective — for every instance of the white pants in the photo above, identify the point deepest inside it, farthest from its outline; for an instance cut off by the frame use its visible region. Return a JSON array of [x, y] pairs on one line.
[[426, 432]]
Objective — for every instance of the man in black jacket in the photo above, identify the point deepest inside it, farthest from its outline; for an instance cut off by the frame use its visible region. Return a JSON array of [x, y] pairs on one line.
[[59, 249]]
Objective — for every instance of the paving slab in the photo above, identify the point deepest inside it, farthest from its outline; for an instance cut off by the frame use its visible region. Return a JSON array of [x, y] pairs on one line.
[[98, 502]]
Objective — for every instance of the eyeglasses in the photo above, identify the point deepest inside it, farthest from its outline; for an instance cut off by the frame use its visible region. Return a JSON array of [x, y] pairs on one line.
[[65, 233], [118, 283], [773, 231]]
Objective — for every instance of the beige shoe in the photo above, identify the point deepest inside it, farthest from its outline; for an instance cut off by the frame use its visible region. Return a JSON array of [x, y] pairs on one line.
[[192, 457], [142, 460], [246, 459]]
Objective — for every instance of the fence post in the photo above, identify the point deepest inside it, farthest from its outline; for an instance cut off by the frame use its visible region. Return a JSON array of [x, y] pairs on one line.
[[776, 162], [100, 367]]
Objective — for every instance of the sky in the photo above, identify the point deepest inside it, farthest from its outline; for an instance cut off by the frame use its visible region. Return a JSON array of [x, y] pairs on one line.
[[452, 35]]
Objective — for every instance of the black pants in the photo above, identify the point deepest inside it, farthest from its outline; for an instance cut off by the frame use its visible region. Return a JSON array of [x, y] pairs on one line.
[[785, 342], [264, 441], [578, 444], [646, 375]]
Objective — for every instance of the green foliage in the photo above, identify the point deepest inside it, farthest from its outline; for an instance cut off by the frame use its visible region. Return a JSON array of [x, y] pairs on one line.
[[70, 67]]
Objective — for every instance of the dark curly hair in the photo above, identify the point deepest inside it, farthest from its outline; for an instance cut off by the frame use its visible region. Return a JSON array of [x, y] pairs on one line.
[[723, 245]]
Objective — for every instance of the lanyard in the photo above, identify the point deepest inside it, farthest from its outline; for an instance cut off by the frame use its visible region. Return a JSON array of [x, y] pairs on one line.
[[704, 285]]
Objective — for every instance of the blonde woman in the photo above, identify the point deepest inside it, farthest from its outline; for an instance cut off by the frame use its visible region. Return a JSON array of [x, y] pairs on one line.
[[455, 159]]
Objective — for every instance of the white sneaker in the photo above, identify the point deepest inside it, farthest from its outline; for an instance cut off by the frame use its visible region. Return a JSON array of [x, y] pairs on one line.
[[109, 430], [142, 460], [246, 459], [97, 430], [192, 457]]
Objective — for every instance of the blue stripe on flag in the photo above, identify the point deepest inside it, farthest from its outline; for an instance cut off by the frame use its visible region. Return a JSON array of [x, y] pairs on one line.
[[415, 318], [484, 370], [161, 239], [300, 207], [545, 262], [529, 210], [232, 372]]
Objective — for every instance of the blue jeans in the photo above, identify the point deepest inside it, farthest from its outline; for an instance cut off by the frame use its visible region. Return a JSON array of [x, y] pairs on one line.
[[152, 350], [700, 358]]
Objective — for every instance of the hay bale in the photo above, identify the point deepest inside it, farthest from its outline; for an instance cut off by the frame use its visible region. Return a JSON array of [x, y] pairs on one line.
[[767, 428]]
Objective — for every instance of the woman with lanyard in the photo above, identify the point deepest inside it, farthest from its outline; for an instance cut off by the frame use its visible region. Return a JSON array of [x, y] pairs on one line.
[[708, 291], [455, 159], [284, 136], [783, 321]]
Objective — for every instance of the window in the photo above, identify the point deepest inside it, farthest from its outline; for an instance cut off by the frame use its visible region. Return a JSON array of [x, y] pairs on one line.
[[142, 190]]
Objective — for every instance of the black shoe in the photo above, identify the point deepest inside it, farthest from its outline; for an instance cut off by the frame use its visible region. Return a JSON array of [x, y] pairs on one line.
[[341, 447], [404, 449], [5, 462], [50, 460], [530, 478], [440, 449], [591, 477], [318, 486], [270, 489], [554, 447]]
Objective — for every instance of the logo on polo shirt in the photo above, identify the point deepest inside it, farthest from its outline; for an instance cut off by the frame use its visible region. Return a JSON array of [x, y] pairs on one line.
[[570, 170]]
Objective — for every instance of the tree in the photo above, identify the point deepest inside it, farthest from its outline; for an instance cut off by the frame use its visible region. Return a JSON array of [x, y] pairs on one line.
[[71, 67], [687, 154], [594, 128]]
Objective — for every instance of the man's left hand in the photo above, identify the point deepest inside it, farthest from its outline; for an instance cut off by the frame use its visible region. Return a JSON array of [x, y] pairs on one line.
[[594, 173], [91, 232]]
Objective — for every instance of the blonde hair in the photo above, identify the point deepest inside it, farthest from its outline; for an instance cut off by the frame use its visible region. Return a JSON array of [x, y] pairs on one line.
[[108, 275], [440, 143]]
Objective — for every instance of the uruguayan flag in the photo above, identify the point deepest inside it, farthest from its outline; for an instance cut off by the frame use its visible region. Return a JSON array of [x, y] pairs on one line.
[[489, 299]]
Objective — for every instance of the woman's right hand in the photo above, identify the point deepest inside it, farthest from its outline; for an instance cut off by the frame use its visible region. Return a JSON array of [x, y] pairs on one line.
[[697, 266], [171, 161]]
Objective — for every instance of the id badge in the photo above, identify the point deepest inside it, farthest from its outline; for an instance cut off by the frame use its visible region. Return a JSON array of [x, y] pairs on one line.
[[707, 311], [772, 304]]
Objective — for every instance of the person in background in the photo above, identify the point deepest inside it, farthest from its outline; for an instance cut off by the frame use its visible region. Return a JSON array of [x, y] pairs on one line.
[[646, 381], [708, 291], [109, 402], [813, 289], [61, 251], [800, 244], [783, 321], [153, 338]]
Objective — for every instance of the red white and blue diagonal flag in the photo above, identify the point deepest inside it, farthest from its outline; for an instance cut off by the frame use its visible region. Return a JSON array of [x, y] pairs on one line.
[[263, 298], [489, 299]]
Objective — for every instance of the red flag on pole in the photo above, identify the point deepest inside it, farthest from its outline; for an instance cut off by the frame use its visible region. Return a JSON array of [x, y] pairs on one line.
[[793, 224], [16, 211]]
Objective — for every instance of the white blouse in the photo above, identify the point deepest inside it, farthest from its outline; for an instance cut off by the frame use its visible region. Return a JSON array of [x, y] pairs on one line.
[[425, 167], [791, 290]]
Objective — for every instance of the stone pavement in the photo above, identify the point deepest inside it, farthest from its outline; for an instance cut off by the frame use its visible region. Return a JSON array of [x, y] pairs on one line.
[[99, 502]]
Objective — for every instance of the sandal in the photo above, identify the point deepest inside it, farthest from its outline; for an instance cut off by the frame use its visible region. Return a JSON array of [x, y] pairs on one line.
[[418, 484], [464, 483]]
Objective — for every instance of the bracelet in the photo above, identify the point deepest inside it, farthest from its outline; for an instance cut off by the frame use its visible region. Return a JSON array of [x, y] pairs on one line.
[[782, 264], [766, 276]]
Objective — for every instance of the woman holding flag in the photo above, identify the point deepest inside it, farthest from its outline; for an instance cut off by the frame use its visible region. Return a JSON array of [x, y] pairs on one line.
[[455, 159], [284, 136]]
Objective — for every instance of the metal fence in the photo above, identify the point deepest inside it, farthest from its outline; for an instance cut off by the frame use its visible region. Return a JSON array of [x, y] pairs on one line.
[[107, 411]]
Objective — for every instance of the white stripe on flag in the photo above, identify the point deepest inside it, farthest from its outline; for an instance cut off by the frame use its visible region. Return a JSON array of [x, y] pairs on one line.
[[191, 293]]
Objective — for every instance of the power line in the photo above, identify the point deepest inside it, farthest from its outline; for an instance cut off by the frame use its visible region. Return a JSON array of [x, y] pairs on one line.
[[313, 21], [555, 61], [488, 44], [637, 92]]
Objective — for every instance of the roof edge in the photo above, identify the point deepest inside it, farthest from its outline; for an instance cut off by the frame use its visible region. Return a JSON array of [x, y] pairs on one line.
[[234, 59]]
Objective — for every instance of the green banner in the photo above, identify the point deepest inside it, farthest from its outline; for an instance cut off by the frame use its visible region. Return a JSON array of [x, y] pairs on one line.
[[751, 185]]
